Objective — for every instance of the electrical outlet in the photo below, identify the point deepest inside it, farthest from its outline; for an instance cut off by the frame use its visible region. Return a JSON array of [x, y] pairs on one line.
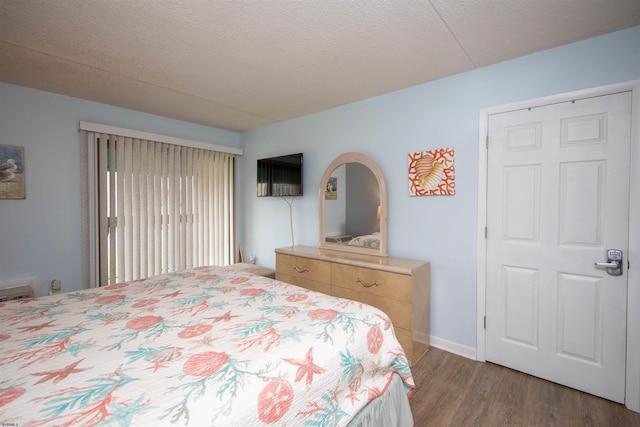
[[252, 259], [55, 286]]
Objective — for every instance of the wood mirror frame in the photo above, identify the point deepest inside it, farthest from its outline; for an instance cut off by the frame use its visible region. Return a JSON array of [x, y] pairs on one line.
[[345, 159]]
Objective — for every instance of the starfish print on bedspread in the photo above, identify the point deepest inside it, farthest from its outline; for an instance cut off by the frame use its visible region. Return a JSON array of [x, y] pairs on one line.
[[60, 374], [35, 328], [306, 367]]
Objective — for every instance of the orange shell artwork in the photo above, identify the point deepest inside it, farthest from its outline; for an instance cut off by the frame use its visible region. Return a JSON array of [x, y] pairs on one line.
[[431, 173]]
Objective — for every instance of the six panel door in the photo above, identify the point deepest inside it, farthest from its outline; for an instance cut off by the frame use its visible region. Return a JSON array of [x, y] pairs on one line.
[[557, 199]]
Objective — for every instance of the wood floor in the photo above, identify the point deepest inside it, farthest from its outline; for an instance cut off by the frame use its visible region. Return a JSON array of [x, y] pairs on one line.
[[455, 391]]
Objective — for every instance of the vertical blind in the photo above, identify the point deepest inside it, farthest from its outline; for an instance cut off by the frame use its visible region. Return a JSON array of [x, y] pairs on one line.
[[160, 207]]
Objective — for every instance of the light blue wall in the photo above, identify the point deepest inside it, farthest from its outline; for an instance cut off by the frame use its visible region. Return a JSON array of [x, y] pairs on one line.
[[444, 113], [41, 236]]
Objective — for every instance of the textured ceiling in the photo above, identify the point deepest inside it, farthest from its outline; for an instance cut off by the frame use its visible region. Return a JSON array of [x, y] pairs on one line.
[[243, 64]]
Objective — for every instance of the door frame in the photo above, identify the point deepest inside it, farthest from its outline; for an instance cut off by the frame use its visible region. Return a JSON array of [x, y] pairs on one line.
[[632, 387]]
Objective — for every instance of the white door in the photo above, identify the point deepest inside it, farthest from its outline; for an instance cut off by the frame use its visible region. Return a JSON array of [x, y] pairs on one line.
[[557, 200]]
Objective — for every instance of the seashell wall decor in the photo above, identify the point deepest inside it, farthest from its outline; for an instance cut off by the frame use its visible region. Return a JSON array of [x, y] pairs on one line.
[[431, 173]]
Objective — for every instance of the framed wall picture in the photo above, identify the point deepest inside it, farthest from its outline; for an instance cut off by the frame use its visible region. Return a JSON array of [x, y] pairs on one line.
[[431, 173], [11, 172], [331, 191]]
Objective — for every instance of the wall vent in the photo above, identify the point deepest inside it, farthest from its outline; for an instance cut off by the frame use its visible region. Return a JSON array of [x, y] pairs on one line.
[[20, 292], [28, 285]]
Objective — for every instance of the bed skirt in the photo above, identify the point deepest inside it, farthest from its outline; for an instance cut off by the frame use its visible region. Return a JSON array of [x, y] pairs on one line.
[[390, 410]]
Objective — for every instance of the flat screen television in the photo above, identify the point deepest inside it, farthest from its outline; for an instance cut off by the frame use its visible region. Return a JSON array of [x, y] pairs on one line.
[[280, 176]]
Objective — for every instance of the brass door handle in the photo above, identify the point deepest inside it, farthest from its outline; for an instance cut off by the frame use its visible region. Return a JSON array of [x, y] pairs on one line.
[[300, 270], [367, 285]]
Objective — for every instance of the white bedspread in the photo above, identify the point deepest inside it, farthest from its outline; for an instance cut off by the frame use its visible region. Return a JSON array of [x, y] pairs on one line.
[[206, 346]]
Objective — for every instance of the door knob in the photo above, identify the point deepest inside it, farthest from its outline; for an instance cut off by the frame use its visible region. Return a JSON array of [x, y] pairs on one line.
[[613, 264]]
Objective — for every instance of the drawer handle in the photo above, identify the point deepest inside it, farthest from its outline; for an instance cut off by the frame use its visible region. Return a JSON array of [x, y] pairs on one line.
[[367, 285], [300, 270]]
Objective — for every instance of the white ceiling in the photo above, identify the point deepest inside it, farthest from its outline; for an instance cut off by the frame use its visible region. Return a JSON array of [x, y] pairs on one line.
[[242, 64]]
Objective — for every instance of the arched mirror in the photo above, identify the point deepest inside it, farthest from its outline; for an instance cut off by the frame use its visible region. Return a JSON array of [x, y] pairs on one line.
[[353, 206]]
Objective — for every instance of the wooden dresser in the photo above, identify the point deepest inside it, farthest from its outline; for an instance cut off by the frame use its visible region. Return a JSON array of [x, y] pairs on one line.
[[399, 287]]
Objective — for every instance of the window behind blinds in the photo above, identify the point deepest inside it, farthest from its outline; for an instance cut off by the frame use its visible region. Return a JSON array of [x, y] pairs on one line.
[[159, 207]]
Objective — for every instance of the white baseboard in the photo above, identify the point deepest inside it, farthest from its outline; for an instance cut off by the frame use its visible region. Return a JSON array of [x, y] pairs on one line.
[[453, 347]]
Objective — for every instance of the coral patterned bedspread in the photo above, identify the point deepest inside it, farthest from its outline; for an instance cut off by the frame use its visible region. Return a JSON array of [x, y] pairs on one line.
[[207, 346]]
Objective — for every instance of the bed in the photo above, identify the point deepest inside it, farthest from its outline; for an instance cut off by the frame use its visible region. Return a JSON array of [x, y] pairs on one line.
[[365, 240], [206, 346]]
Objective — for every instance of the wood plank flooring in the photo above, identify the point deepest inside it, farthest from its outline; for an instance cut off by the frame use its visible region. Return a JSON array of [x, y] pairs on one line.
[[455, 391]]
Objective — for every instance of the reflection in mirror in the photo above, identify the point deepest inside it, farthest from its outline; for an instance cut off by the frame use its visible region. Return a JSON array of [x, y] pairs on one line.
[[335, 208], [353, 206]]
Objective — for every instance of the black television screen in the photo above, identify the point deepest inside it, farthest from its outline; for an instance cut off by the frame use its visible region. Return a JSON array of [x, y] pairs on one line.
[[280, 176]]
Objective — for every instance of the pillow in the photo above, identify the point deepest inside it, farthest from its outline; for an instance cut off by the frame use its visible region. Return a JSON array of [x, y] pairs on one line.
[[368, 240]]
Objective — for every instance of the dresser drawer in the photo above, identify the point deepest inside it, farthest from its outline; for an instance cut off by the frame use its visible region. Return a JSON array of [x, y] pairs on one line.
[[374, 282], [324, 288], [304, 268], [398, 311]]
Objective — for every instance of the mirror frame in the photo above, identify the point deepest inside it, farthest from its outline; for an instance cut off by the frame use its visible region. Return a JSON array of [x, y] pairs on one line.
[[377, 172]]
